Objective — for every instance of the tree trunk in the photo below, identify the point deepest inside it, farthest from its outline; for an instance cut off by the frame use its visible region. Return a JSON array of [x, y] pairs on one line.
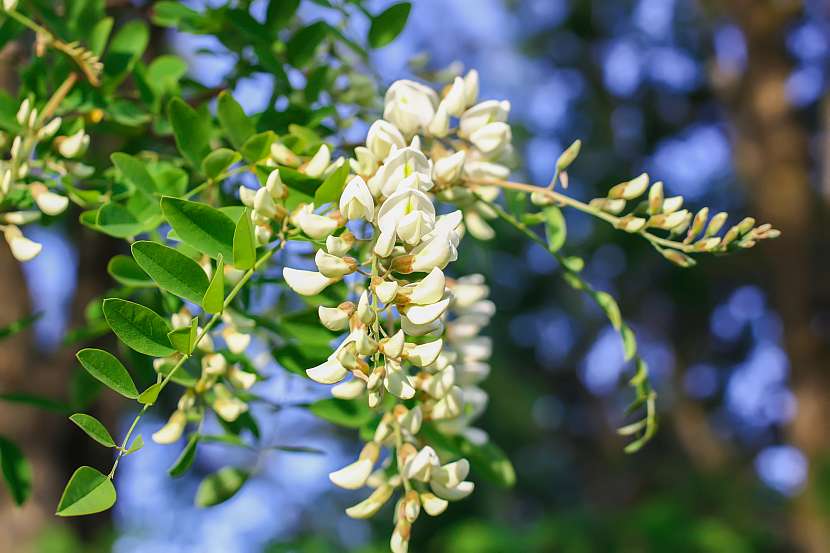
[[772, 157]]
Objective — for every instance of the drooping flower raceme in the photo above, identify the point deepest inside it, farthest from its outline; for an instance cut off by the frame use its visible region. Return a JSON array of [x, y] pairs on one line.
[[411, 347]]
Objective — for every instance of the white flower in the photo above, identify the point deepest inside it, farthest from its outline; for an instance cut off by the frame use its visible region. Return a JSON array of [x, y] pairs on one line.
[[432, 504], [226, 405], [366, 163], [306, 283], [491, 139], [282, 155], [319, 162], [332, 266], [405, 168], [339, 245], [173, 430], [329, 372], [490, 111], [448, 169], [471, 87], [354, 476], [49, 202], [382, 137], [48, 130], [422, 355], [456, 99], [425, 314], [410, 106], [356, 201], [21, 247], [483, 170], [386, 290], [372, 504], [349, 390], [440, 124], [397, 382], [430, 289], [315, 226], [241, 379], [335, 318], [393, 346], [395, 210], [73, 146]]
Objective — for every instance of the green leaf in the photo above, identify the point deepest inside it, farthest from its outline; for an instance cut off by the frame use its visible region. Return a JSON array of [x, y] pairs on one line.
[[303, 45], [124, 50], [184, 339], [135, 171], [34, 400], [17, 472], [150, 395], [237, 126], [172, 270], [139, 327], [93, 428], [137, 444], [258, 146], [280, 12], [218, 161], [220, 486], [86, 493], [486, 459], [351, 413], [388, 24], [207, 229], [244, 243], [126, 271], [186, 457], [629, 342], [105, 367], [608, 304], [214, 300], [332, 187], [116, 220], [555, 229], [191, 130]]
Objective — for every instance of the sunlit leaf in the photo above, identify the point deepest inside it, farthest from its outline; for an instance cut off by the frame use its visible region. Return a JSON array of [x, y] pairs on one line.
[[87, 492], [139, 327], [106, 368], [220, 486], [93, 428]]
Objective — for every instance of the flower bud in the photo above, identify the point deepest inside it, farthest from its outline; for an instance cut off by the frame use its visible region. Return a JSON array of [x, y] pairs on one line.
[[393, 346], [284, 156], [173, 430], [354, 476], [382, 137], [329, 372], [456, 100], [356, 202], [48, 202], [364, 309], [410, 106], [440, 124], [306, 283], [386, 290], [49, 130], [471, 87], [319, 162], [491, 139], [422, 355], [21, 247], [349, 390], [433, 505], [74, 145], [340, 245], [336, 318], [332, 266], [372, 504], [315, 226]]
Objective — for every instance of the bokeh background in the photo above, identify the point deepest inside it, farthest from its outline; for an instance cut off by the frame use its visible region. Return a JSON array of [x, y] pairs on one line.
[[727, 102]]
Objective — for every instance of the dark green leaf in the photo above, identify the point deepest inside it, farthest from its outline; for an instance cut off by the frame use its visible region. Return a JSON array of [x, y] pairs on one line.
[[192, 131], [116, 220], [150, 395], [87, 492], [351, 413], [280, 12], [139, 327], [332, 187], [184, 339], [19, 325], [244, 243], [388, 24], [124, 50], [125, 270], [258, 146], [105, 367], [303, 45], [171, 270], [207, 229], [218, 161], [214, 299], [134, 171], [93, 428], [186, 457], [237, 126], [220, 486], [34, 400], [17, 473]]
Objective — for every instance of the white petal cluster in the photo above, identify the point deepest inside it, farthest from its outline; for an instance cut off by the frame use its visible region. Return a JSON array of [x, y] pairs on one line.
[[409, 331]]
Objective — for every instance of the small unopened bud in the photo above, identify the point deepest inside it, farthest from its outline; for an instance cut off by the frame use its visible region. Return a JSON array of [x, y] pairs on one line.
[[74, 145], [25, 107], [632, 224], [655, 198], [319, 162], [386, 290], [716, 223], [364, 310], [631, 189], [698, 224], [336, 318], [568, 156], [746, 225], [670, 205], [282, 155], [49, 129]]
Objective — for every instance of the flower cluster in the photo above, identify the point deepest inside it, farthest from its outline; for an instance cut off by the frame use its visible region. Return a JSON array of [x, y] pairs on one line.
[[26, 178], [412, 344], [218, 382]]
